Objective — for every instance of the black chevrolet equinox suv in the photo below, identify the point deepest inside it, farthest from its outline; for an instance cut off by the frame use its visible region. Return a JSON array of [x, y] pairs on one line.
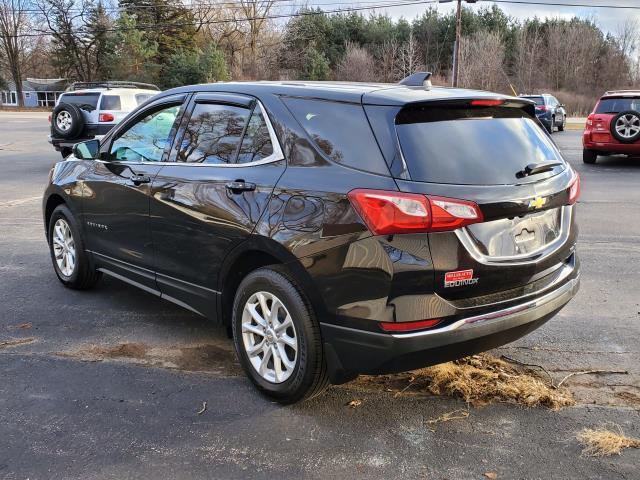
[[336, 229]]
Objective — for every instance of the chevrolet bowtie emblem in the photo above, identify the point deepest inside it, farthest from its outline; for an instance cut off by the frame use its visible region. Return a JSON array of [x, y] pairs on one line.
[[537, 202]]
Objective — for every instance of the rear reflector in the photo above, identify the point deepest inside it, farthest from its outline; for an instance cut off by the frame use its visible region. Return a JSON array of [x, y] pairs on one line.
[[409, 326], [574, 190], [486, 102], [106, 117], [387, 213]]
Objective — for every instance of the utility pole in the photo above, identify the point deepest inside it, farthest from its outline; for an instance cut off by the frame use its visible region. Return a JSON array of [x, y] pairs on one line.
[[456, 46]]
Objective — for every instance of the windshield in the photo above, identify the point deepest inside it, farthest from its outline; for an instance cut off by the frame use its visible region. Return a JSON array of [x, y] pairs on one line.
[[472, 146], [617, 105]]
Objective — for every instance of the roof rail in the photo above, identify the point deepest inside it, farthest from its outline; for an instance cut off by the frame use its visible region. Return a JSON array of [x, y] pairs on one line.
[[418, 79], [110, 84]]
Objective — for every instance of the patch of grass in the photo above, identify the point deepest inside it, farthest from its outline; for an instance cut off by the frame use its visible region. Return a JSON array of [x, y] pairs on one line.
[[601, 442], [483, 379], [479, 379]]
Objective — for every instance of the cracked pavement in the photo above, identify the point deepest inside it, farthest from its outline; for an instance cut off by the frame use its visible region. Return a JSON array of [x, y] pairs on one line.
[[108, 383]]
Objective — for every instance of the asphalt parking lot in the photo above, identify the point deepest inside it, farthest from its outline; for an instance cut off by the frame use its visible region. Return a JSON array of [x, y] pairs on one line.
[[109, 383]]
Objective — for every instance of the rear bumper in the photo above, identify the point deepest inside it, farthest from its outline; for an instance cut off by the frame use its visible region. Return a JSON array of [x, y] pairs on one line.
[[608, 147], [351, 352]]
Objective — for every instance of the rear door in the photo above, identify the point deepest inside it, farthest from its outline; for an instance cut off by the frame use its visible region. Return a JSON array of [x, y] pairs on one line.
[[208, 198], [479, 153]]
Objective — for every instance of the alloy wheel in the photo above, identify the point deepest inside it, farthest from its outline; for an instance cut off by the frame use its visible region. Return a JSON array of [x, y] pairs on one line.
[[64, 120], [628, 126], [64, 247], [269, 337]]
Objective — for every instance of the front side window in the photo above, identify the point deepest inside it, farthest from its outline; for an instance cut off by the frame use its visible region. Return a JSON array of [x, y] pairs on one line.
[[147, 139], [213, 134], [256, 143]]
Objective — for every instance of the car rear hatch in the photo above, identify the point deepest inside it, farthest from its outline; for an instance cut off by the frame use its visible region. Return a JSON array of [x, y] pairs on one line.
[[488, 162], [599, 122]]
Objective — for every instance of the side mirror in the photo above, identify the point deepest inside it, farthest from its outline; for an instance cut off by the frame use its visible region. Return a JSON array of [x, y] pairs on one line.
[[562, 105], [88, 150]]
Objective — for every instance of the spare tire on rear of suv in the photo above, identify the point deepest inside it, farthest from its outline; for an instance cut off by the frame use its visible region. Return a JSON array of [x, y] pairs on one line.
[[625, 126], [67, 121]]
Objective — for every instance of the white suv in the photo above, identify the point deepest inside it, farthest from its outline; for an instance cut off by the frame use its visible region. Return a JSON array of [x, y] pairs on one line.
[[90, 109]]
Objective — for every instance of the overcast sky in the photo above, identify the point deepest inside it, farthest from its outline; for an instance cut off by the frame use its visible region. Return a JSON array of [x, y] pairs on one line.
[[608, 19]]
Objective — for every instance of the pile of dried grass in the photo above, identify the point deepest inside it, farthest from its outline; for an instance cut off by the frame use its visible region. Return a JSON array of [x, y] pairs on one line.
[[483, 379], [601, 442]]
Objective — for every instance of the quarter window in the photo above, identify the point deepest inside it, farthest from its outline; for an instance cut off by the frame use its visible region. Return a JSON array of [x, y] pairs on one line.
[[256, 143], [213, 134], [110, 102], [147, 139]]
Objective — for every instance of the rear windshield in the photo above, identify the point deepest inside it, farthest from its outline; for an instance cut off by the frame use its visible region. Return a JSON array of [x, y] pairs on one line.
[[110, 102], [617, 105], [88, 100], [471, 146], [538, 100]]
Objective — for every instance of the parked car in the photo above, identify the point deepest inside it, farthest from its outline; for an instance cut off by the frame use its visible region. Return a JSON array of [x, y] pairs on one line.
[[613, 127], [336, 229], [549, 111], [90, 109]]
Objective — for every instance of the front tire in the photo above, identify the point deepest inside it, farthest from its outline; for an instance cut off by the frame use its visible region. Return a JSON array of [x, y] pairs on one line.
[[277, 337], [66, 245], [589, 156]]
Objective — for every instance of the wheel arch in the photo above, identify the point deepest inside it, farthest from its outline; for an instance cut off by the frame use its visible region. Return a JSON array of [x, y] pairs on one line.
[[254, 253], [53, 201]]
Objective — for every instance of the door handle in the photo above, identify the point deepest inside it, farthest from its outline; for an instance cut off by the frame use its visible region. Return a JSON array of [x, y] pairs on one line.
[[139, 178], [239, 186]]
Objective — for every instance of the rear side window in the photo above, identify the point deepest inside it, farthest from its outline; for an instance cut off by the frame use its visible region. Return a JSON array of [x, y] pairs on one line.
[[341, 131], [143, 97], [110, 102], [213, 134], [617, 105], [87, 101], [471, 146]]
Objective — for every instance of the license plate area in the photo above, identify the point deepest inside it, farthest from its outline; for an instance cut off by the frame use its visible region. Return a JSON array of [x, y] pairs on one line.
[[511, 239]]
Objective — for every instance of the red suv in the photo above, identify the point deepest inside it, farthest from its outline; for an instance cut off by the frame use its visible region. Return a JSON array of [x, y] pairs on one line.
[[614, 126]]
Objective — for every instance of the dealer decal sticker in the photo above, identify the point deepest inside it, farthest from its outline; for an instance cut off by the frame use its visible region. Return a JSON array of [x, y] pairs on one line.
[[459, 278]]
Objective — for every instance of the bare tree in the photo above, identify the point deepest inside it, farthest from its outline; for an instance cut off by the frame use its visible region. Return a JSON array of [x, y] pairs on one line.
[[528, 57], [14, 25], [357, 65], [409, 58], [481, 59], [387, 60], [255, 14]]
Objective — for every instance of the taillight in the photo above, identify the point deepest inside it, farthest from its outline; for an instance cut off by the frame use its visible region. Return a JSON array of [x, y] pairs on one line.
[[409, 326], [49, 118], [574, 190], [387, 213], [105, 117], [590, 120], [486, 102], [542, 108]]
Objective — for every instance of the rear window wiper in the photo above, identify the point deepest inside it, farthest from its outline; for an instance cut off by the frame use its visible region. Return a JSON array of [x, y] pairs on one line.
[[535, 168]]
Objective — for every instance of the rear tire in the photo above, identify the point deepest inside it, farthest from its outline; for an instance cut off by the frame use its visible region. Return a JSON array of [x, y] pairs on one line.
[[562, 124], [589, 156], [287, 375], [66, 243]]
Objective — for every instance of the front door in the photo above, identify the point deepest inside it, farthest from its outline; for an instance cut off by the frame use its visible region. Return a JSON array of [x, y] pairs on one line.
[[116, 193], [210, 195]]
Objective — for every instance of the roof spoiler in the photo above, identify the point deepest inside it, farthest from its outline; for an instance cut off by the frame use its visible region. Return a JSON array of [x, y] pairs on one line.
[[110, 84], [418, 79]]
